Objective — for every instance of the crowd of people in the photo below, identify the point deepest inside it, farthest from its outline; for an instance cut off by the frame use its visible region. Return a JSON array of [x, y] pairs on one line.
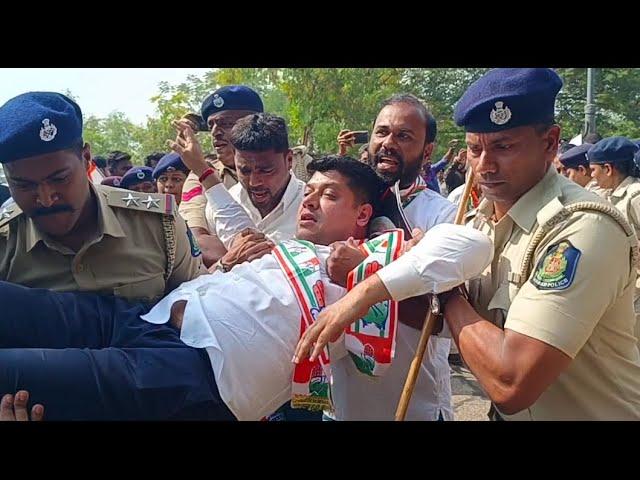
[[260, 282]]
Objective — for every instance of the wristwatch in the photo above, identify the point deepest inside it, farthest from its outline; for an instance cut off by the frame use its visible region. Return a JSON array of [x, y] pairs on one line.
[[444, 297], [220, 267]]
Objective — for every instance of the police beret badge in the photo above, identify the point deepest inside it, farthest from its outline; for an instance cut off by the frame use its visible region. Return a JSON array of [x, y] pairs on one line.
[[500, 115]]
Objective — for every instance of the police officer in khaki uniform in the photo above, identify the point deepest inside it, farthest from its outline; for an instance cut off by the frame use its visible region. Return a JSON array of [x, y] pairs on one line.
[[548, 328], [614, 170], [220, 111], [65, 234]]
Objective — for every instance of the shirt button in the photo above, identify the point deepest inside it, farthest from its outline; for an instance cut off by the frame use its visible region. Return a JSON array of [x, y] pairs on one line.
[[80, 268]]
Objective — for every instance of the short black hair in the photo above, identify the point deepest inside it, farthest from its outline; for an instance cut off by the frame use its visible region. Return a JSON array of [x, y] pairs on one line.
[[429, 119], [565, 147], [361, 178], [155, 156], [260, 132], [116, 156], [627, 169], [100, 161], [77, 147]]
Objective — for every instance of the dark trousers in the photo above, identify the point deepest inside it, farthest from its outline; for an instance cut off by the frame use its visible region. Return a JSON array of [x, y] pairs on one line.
[[90, 357]]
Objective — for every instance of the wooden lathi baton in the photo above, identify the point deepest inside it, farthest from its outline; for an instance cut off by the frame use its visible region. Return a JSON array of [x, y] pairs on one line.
[[430, 321]]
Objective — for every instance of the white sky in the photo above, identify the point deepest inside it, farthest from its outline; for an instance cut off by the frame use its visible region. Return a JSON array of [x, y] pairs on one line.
[[98, 91]]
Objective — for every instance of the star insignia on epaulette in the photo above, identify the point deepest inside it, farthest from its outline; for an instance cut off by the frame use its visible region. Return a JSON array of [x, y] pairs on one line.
[[151, 202], [6, 213], [129, 199]]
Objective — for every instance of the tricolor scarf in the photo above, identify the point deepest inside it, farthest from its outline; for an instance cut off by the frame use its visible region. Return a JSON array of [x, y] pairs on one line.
[[407, 195], [301, 266], [371, 340], [474, 199]]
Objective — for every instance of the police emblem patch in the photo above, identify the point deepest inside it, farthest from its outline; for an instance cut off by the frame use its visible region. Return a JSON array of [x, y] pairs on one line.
[[557, 269], [48, 131], [500, 115], [218, 101], [195, 248]]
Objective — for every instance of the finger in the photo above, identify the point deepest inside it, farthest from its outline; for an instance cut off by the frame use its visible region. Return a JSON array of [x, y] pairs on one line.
[[20, 406], [183, 126], [175, 147], [251, 238], [183, 123], [177, 124], [304, 345], [263, 251], [180, 140], [321, 342], [351, 242], [6, 408], [37, 413], [257, 248], [250, 230]]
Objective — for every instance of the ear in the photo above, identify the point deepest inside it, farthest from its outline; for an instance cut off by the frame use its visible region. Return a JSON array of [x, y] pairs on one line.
[[552, 140], [608, 169], [365, 211], [86, 155], [426, 153], [584, 171], [288, 158]]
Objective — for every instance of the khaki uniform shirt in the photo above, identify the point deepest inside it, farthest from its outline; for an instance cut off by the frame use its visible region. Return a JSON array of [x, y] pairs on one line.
[[128, 257], [626, 198], [577, 297]]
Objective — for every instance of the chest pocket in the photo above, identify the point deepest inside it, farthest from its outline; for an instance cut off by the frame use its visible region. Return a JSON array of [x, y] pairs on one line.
[[148, 290]]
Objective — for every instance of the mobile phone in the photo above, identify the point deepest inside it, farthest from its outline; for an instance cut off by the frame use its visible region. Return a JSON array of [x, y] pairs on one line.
[[198, 121], [360, 137]]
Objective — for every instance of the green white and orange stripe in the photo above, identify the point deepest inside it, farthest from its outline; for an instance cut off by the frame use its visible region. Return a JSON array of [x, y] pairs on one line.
[[371, 340]]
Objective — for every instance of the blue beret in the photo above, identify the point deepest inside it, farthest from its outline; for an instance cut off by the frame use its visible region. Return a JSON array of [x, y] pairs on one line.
[[136, 175], [231, 97], [37, 123], [171, 161], [612, 150], [506, 98], [576, 156]]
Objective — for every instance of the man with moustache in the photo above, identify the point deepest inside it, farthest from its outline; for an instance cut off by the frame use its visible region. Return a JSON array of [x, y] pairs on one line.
[[63, 233]]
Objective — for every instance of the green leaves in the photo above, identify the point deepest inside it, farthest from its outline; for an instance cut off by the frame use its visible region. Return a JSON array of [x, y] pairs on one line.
[[318, 102]]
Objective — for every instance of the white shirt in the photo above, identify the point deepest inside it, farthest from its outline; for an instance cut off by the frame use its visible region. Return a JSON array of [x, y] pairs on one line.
[[360, 397], [456, 194], [249, 322], [229, 212], [448, 255]]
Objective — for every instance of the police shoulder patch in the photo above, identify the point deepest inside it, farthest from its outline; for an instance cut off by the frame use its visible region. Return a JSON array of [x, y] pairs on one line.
[[146, 202], [557, 269], [195, 248]]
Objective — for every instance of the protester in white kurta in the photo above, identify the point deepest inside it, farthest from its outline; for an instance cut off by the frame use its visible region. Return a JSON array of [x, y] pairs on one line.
[[249, 321], [353, 395]]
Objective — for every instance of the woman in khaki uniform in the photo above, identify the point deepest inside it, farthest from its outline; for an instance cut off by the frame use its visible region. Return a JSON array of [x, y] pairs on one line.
[[613, 168]]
